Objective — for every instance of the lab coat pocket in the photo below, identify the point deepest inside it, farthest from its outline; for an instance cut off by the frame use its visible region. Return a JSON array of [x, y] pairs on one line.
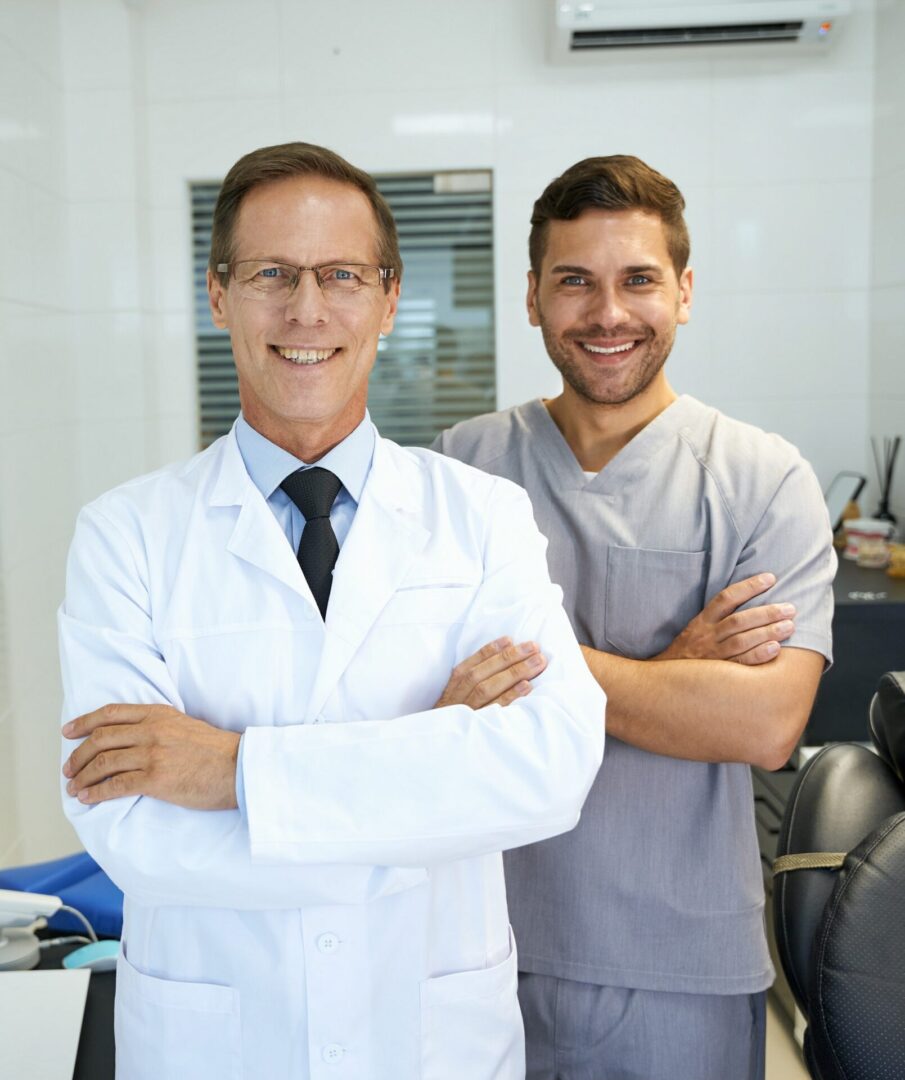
[[650, 596], [172, 1029], [471, 1024], [428, 603]]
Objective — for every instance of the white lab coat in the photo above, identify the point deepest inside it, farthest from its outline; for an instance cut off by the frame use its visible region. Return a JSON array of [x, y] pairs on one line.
[[354, 924]]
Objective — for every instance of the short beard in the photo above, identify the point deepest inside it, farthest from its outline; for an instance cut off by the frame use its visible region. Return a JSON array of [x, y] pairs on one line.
[[593, 386]]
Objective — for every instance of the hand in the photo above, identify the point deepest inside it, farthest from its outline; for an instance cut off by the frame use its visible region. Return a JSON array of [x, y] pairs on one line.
[[497, 674], [152, 750], [720, 632]]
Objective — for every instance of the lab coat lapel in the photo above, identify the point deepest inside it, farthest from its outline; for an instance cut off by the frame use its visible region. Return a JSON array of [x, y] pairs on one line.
[[386, 537], [256, 536]]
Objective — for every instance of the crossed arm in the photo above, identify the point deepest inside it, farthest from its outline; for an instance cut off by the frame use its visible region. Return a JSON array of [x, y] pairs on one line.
[[689, 702], [710, 710], [751, 711]]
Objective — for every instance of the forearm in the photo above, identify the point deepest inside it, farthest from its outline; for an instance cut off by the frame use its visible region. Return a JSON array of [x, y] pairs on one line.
[[163, 854], [435, 786], [709, 710]]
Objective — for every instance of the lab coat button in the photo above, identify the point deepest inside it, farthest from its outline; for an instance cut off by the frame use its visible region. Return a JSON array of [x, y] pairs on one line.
[[332, 1053], [328, 943]]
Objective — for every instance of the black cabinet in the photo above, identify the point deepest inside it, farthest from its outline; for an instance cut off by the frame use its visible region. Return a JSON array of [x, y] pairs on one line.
[[868, 640]]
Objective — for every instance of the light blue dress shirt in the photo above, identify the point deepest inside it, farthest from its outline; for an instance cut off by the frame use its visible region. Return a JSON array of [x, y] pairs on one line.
[[268, 466]]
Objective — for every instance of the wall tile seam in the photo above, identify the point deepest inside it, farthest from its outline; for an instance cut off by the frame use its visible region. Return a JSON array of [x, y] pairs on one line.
[[705, 289], [55, 555], [216, 97], [565, 76], [763, 396], [13, 855], [29, 308], [18, 174], [33, 695], [893, 174], [53, 76], [806, 183], [81, 201]]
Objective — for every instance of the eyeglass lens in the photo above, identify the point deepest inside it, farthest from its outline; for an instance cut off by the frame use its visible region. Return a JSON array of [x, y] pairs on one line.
[[268, 278]]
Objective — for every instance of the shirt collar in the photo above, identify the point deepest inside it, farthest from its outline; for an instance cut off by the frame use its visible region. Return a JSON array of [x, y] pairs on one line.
[[268, 465]]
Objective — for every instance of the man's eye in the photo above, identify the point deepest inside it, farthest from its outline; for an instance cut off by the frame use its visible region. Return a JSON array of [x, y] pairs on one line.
[[639, 279], [269, 273], [574, 279], [340, 277]]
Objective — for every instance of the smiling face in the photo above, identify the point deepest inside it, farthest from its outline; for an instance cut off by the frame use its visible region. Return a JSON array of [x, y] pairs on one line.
[[303, 362], [608, 301]]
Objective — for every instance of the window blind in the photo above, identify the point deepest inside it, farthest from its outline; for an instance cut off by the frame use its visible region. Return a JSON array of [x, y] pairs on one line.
[[438, 366]]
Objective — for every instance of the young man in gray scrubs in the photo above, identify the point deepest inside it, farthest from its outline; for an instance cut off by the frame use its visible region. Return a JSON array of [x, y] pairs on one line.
[[640, 934]]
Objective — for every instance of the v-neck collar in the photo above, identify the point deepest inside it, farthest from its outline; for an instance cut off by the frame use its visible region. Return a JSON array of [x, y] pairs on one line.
[[632, 461]]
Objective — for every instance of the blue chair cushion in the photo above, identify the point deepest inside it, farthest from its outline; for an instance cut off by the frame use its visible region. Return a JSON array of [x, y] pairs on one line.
[[80, 883]]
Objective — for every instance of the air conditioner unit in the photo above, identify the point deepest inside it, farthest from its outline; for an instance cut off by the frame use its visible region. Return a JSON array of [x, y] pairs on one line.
[[585, 29]]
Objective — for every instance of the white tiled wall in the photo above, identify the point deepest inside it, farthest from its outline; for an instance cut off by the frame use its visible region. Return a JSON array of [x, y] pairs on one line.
[[887, 413], [36, 382], [108, 110], [74, 413], [774, 157]]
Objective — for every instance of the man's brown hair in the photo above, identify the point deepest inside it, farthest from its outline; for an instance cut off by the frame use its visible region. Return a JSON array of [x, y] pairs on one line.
[[618, 182], [273, 163]]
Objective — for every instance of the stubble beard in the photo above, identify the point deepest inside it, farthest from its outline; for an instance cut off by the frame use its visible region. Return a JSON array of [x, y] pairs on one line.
[[600, 386]]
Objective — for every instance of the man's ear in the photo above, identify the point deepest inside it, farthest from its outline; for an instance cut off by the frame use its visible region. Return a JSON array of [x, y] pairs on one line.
[[686, 285], [531, 299], [392, 298], [216, 296]]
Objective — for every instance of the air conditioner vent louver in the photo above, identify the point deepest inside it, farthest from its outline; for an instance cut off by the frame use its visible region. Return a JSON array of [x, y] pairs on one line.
[[600, 31], [685, 35]]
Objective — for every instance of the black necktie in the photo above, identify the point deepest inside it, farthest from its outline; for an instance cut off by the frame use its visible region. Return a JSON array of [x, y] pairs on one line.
[[313, 491]]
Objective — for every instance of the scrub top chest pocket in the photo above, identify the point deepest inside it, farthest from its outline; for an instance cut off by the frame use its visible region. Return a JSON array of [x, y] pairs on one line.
[[651, 595]]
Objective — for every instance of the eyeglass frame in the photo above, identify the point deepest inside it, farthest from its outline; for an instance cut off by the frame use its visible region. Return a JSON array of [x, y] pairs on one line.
[[387, 273]]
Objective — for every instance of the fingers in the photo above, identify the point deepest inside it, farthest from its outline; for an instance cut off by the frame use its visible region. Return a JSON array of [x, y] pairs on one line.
[[105, 765], [760, 645], [751, 618], [733, 596], [508, 659], [114, 737], [521, 689], [492, 673], [736, 644], [486, 653], [117, 787], [494, 686], [108, 714], [761, 654]]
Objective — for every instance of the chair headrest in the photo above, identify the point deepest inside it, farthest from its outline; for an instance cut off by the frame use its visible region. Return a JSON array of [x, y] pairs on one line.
[[887, 721], [844, 792], [857, 987]]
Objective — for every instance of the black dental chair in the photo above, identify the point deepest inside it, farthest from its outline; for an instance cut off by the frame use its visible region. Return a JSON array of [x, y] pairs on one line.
[[839, 899]]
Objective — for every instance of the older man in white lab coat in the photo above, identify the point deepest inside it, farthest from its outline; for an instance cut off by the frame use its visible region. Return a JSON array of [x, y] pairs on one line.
[[309, 848]]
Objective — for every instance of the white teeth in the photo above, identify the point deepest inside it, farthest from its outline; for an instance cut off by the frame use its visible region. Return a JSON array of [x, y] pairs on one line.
[[609, 352], [305, 356]]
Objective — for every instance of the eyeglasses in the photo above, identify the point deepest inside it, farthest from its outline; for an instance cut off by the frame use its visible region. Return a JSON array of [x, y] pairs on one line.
[[262, 279]]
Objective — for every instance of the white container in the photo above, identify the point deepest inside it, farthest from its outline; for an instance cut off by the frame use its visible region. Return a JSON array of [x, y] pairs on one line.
[[864, 529]]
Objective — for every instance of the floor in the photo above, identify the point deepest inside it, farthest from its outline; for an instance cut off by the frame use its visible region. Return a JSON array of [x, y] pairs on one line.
[[784, 1061]]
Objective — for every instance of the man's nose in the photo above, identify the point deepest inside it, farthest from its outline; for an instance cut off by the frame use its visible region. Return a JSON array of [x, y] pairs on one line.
[[307, 304], [609, 308]]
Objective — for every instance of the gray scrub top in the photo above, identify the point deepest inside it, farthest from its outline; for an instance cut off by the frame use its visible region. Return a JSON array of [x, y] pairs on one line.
[[659, 887]]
